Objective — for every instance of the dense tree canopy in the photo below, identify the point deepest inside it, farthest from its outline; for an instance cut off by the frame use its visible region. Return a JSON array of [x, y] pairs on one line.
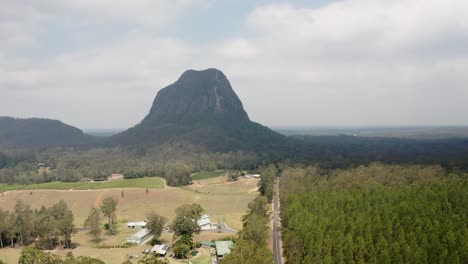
[[376, 214], [185, 221]]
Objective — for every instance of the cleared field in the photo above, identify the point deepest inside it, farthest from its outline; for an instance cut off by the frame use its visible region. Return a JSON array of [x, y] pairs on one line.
[[213, 186], [150, 182], [207, 174], [227, 204]]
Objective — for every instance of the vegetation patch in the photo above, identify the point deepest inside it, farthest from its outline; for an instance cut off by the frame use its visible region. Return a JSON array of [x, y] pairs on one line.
[[376, 214]]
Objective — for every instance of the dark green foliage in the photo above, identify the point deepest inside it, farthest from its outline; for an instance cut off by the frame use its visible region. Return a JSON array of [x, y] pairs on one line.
[[46, 226], [177, 174], [377, 214], [347, 151], [155, 223], [183, 246], [185, 221], [31, 255], [265, 185], [251, 246]]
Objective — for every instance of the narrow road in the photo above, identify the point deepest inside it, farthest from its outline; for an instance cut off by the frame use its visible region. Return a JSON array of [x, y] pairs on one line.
[[276, 225]]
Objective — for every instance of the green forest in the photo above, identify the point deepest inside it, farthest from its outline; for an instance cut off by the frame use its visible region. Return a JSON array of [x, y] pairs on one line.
[[374, 214]]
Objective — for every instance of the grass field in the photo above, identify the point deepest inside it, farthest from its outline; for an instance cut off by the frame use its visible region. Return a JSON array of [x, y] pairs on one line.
[[207, 174], [150, 182], [223, 201]]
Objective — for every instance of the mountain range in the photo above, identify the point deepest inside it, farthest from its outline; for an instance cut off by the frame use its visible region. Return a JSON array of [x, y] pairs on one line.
[[200, 108]]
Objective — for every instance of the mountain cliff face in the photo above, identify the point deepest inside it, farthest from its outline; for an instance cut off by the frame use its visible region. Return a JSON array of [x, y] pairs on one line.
[[201, 108], [196, 93], [38, 132]]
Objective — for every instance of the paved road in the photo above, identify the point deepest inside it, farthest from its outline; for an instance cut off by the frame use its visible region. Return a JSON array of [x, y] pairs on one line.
[[276, 224]]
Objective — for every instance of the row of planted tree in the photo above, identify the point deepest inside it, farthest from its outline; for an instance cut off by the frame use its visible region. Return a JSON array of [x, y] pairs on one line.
[[374, 214]]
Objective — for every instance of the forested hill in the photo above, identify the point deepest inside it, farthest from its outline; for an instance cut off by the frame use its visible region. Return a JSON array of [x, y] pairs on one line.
[[38, 132], [201, 108]]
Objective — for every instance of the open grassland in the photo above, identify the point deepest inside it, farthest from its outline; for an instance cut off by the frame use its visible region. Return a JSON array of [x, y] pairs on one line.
[[215, 186], [207, 174], [153, 183], [223, 201]]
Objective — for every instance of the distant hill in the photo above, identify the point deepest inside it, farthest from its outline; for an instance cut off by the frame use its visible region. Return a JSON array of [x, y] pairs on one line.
[[201, 108], [436, 132], [38, 132]]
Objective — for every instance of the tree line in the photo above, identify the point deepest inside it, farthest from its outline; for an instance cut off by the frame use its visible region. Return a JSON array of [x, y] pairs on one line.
[[374, 214], [45, 227], [251, 245]]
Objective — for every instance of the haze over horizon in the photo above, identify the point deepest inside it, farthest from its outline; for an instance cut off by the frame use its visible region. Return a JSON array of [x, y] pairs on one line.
[[99, 64]]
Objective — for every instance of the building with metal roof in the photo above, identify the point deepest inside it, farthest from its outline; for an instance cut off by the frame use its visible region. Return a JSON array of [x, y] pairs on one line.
[[139, 237], [160, 249], [223, 248]]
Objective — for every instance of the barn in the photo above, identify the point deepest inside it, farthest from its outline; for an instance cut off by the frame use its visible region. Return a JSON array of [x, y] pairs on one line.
[[139, 237]]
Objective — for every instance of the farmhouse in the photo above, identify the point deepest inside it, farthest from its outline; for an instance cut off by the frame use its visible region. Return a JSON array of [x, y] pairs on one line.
[[139, 237], [223, 248], [136, 224], [160, 249], [204, 222]]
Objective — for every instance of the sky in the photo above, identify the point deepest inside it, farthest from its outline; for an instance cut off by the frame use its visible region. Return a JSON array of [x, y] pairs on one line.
[[98, 64]]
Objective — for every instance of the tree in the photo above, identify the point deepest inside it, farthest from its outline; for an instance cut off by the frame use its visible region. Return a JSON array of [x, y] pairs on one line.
[[108, 209], [183, 245], [45, 227], [178, 173], [64, 220], [185, 222], [247, 252], [233, 176], [150, 259], [93, 224], [31, 255], [4, 217], [155, 223], [23, 223]]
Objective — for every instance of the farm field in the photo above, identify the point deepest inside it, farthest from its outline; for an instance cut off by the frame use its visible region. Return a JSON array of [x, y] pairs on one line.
[[149, 182], [133, 207], [207, 174]]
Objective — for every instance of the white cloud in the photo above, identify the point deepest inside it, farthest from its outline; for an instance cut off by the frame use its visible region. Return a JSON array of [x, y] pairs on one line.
[[356, 62], [349, 62]]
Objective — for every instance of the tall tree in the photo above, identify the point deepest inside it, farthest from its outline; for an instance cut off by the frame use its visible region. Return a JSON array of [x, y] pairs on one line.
[[93, 224], [155, 223], [4, 217], [64, 219], [109, 209], [23, 222], [185, 222]]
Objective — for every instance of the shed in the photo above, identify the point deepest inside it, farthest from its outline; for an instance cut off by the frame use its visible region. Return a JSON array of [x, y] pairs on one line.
[[160, 249], [223, 248], [207, 243], [139, 237], [136, 224], [204, 222]]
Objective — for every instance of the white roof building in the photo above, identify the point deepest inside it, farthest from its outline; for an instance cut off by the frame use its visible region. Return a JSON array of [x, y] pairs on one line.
[[252, 176], [204, 222], [160, 249], [136, 224], [139, 237]]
